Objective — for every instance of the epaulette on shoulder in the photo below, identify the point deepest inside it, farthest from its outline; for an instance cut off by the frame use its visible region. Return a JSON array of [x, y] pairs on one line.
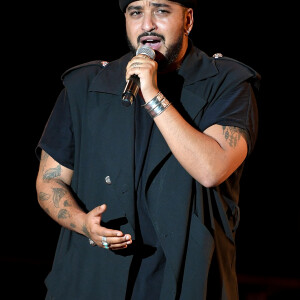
[[219, 56], [95, 63]]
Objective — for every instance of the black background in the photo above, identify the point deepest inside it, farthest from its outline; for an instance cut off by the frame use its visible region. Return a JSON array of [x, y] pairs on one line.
[[44, 41]]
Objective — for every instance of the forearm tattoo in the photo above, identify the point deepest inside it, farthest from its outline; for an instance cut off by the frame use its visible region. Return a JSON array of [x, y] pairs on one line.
[[58, 193], [61, 197], [232, 135], [63, 214], [67, 204], [43, 196]]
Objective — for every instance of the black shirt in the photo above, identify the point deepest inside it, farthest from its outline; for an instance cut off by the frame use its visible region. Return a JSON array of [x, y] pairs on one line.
[[57, 140]]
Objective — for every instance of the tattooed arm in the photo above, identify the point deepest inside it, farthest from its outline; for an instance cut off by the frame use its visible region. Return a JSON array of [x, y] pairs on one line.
[[55, 197], [210, 157]]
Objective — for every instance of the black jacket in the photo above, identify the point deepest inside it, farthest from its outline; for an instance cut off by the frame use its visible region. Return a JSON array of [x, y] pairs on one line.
[[195, 225]]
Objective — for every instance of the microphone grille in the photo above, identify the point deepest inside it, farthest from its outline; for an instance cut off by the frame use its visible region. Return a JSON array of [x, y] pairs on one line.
[[146, 50]]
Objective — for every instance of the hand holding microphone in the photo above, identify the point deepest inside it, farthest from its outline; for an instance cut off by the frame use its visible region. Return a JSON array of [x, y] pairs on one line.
[[133, 84]]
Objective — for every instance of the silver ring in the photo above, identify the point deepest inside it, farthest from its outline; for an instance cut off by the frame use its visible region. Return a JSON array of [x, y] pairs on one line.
[[105, 243], [92, 242], [136, 64]]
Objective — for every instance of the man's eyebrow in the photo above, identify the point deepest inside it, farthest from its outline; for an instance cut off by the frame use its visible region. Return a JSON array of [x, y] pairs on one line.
[[160, 4], [139, 7], [134, 7]]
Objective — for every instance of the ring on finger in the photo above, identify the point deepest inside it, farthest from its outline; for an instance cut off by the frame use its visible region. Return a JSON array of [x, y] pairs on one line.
[[104, 242], [135, 64]]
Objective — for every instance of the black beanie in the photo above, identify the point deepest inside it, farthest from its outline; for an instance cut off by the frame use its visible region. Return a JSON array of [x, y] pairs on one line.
[[187, 3]]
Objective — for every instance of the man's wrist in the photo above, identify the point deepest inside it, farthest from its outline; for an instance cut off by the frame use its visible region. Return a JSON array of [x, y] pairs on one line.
[[150, 95], [157, 105]]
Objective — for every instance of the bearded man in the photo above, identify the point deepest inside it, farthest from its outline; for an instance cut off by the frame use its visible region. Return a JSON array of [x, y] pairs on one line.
[[147, 193]]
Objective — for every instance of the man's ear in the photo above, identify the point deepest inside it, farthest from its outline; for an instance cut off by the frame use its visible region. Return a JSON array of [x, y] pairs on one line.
[[189, 20]]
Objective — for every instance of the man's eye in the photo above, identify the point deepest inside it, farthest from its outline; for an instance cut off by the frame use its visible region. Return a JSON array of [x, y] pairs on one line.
[[135, 13], [162, 12]]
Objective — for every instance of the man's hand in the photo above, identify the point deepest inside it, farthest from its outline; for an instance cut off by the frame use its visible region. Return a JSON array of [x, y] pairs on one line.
[[104, 237], [146, 69]]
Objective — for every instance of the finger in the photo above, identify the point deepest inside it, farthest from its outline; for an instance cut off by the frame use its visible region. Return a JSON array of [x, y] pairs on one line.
[[117, 248], [120, 245], [99, 210], [133, 71], [107, 245], [100, 239], [136, 68], [145, 56], [117, 240], [104, 243], [116, 243], [106, 232], [135, 65], [137, 60]]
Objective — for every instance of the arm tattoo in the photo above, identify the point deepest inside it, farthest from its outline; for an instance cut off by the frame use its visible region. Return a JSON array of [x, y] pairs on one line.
[[44, 156], [58, 193], [232, 135], [67, 204], [63, 214], [43, 196], [52, 173], [61, 183]]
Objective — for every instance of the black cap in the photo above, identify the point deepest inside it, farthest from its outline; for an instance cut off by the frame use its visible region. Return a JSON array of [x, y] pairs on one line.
[[187, 3]]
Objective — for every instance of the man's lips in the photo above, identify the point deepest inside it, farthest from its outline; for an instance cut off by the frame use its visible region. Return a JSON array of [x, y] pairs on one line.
[[152, 41]]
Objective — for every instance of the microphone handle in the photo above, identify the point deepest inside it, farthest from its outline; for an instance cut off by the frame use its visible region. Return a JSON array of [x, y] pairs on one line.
[[131, 89]]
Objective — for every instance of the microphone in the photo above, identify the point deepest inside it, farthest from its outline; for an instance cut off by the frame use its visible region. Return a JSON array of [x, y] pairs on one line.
[[133, 85]]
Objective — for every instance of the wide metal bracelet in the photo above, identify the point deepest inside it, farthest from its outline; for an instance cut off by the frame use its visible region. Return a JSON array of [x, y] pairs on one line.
[[157, 105], [153, 102], [161, 107]]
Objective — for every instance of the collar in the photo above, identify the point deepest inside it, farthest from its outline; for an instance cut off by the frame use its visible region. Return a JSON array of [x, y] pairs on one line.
[[111, 79], [196, 66]]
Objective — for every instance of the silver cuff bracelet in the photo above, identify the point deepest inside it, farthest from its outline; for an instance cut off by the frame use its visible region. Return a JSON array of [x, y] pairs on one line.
[[157, 105]]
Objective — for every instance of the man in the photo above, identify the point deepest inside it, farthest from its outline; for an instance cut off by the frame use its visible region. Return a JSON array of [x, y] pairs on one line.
[[147, 194]]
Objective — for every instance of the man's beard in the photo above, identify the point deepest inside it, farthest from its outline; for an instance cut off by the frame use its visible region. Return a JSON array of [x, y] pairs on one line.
[[171, 54]]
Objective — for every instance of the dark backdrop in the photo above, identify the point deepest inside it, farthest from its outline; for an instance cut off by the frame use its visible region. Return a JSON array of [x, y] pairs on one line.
[[43, 41]]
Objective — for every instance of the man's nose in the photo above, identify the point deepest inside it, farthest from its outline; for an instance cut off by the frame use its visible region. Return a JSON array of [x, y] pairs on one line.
[[148, 24]]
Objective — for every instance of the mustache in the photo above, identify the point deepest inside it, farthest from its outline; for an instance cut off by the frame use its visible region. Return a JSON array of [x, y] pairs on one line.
[[150, 34]]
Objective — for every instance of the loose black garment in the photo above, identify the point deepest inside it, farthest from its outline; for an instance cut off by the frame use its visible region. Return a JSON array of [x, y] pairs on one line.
[[101, 132], [146, 274]]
